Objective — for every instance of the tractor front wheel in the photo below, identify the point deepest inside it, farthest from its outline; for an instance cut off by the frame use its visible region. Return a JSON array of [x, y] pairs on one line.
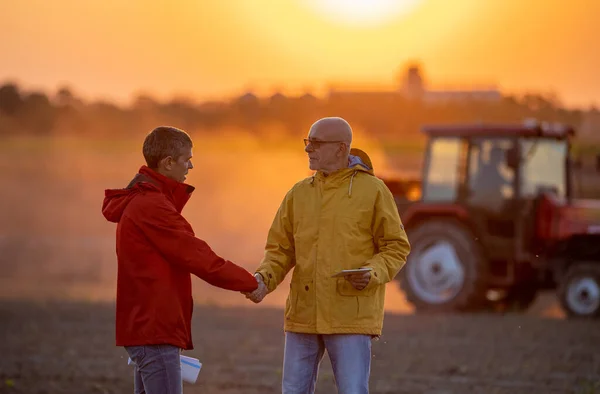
[[579, 291]]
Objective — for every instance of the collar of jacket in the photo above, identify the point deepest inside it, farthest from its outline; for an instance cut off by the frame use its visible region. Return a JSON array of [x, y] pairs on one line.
[[177, 192], [339, 177], [334, 177]]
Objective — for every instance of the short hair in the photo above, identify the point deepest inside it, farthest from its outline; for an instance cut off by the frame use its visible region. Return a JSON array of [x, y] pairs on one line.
[[164, 141]]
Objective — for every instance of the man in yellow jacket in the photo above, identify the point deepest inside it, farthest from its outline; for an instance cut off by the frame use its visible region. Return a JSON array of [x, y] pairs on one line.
[[342, 217]]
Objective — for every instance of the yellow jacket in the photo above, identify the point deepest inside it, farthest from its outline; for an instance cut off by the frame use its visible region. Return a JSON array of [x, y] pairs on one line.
[[325, 224]]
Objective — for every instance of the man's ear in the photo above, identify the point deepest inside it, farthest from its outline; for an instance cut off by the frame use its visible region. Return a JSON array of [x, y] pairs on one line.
[[167, 163], [343, 148]]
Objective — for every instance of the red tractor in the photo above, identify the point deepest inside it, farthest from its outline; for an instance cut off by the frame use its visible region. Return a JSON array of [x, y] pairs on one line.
[[497, 222]]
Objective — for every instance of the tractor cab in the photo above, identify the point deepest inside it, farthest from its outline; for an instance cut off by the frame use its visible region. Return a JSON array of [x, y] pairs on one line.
[[495, 175]]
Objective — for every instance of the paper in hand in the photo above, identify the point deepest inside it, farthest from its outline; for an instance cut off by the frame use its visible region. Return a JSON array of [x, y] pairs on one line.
[[190, 368], [352, 271]]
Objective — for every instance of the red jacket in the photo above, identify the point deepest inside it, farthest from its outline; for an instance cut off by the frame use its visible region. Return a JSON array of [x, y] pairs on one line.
[[156, 252]]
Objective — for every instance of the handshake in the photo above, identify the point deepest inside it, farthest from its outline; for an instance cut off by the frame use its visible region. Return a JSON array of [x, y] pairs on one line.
[[257, 295]]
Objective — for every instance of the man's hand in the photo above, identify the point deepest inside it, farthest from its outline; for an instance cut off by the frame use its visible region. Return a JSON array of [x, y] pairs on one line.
[[359, 281], [257, 295]]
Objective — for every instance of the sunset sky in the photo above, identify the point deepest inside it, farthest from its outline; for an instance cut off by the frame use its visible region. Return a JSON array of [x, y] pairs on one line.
[[113, 49]]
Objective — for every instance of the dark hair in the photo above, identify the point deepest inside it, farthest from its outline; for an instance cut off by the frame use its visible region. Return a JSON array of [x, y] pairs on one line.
[[164, 141]]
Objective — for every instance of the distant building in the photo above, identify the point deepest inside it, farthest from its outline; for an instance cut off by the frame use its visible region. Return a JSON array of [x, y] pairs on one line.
[[438, 96], [412, 86], [366, 95]]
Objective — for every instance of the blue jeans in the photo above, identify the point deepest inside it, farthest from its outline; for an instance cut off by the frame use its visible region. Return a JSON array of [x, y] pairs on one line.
[[350, 357], [157, 369]]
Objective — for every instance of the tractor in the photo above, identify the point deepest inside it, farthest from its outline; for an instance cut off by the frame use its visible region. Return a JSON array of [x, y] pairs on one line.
[[497, 222]]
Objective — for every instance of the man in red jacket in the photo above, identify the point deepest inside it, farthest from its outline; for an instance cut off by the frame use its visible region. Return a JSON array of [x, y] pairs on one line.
[[156, 252]]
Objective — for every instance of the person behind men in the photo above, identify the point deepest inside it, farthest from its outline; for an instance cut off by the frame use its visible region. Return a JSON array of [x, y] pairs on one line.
[[156, 253], [342, 217], [490, 185]]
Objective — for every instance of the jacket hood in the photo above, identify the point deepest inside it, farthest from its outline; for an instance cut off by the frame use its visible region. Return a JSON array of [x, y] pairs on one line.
[[359, 160], [146, 180]]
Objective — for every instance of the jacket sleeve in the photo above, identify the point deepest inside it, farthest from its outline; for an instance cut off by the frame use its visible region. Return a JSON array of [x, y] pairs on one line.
[[173, 237], [389, 237], [280, 254]]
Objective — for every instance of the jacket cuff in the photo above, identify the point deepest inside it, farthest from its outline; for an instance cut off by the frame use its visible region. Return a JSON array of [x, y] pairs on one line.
[[268, 278], [374, 280]]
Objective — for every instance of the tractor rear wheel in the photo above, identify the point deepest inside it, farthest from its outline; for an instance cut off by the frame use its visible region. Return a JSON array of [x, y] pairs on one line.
[[445, 270]]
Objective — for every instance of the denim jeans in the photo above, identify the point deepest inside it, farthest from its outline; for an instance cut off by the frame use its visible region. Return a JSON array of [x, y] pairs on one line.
[[350, 357], [157, 369]]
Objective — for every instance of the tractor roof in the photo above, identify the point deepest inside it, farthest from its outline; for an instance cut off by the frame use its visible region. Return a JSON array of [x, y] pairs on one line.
[[526, 129]]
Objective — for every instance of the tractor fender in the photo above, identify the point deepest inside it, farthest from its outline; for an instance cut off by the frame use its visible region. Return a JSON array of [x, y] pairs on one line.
[[570, 251], [419, 212]]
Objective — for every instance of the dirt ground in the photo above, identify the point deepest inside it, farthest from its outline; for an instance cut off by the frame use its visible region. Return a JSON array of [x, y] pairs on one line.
[[67, 347]]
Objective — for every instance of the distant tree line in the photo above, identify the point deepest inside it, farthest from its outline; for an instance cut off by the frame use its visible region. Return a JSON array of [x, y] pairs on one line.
[[384, 115]]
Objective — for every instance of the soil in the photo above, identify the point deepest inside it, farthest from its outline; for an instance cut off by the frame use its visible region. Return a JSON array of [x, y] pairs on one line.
[[68, 347]]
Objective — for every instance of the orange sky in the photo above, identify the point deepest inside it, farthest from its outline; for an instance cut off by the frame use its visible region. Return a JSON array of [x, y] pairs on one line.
[[203, 48]]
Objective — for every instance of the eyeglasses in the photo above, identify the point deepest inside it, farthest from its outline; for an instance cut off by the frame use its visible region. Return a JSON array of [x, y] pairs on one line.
[[317, 143]]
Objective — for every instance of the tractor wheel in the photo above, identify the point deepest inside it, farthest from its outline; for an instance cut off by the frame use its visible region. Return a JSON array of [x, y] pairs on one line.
[[579, 291], [445, 270]]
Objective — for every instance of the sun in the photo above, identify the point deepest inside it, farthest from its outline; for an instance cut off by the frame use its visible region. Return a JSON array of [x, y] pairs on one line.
[[362, 12]]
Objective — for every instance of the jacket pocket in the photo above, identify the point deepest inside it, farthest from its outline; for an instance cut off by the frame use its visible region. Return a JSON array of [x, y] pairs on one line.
[[356, 306], [300, 306], [346, 289]]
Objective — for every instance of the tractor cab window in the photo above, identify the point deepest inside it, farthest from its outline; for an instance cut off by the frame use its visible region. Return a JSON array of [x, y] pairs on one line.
[[442, 169], [491, 180], [543, 167]]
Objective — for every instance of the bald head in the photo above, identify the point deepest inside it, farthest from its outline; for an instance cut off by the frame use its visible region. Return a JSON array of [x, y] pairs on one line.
[[329, 146], [331, 129]]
